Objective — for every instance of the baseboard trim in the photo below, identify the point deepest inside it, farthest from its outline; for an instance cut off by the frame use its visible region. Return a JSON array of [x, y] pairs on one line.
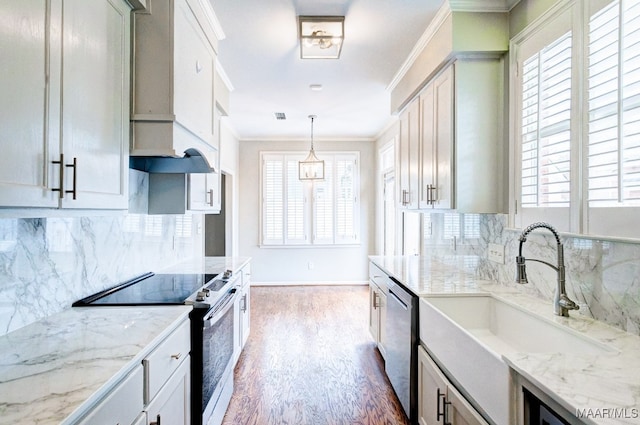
[[298, 283]]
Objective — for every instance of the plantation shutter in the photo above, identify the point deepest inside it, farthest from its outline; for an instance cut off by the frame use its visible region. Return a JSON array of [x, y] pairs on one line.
[[347, 199], [273, 199], [613, 156], [324, 205], [544, 102], [295, 204]]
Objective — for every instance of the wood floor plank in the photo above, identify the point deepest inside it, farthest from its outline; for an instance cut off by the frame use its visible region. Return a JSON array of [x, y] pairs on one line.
[[311, 360]]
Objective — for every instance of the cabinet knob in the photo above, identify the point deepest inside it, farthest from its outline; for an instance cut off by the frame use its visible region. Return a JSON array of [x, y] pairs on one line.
[[156, 422], [176, 356]]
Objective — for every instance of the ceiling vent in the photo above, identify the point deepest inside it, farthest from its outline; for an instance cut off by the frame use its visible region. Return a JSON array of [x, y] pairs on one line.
[[280, 115]]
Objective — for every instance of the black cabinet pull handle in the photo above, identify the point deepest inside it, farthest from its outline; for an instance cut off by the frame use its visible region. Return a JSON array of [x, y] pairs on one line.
[[156, 422]]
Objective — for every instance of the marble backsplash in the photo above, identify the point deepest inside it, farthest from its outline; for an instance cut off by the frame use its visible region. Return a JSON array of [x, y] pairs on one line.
[[48, 263], [603, 277]]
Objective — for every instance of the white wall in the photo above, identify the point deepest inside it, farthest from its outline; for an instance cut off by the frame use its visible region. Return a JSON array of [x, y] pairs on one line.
[[229, 166], [291, 265]]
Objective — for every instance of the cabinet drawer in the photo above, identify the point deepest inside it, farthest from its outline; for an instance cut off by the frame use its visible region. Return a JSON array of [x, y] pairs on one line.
[[377, 276], [165, 359], [122, 405]]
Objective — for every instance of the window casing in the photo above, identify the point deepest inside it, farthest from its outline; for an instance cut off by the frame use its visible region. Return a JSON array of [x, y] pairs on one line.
[[296, 213], [578, 166]]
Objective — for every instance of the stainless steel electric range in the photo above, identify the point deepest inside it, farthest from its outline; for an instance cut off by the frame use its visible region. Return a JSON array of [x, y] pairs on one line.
[[212, 330]]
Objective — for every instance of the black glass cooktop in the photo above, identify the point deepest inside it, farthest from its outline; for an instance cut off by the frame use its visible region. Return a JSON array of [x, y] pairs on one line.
[[150, 289]]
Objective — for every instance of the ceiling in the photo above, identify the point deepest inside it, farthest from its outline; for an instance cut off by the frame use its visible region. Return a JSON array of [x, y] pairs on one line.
[[261, 57]]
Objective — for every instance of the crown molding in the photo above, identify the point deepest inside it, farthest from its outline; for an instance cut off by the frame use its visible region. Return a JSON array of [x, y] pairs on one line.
[[422, 42], [213, 19], [223, 76], [482, 5]]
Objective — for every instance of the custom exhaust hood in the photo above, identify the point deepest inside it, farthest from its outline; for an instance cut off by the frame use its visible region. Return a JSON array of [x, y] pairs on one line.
[[192, 162]]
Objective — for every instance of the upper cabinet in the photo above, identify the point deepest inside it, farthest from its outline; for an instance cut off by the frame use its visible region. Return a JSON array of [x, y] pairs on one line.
[[451, 145], [65, 104], [174, 76]]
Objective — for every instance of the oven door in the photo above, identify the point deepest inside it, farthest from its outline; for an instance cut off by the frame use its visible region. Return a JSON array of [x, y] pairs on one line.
[[217, 353]]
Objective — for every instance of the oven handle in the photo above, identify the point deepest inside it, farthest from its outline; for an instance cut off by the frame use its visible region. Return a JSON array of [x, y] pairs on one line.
[[221, 308]]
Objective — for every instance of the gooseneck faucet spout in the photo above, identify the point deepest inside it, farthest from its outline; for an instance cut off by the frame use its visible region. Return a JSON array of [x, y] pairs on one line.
[[561, 302]]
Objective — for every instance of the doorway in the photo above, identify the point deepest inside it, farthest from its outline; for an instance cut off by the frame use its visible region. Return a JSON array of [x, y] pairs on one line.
[[215, 226]]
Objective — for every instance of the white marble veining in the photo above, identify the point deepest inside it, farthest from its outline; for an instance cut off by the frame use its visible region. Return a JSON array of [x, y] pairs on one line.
[[52, 369], [48, 263], [211, 265], [602, 276], [607, 380]]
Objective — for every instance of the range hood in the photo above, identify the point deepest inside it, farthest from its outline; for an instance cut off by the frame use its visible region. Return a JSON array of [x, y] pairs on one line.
[[192, 162]]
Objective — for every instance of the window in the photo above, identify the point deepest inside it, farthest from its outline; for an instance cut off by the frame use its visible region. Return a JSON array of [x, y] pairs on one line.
[[310, 213], [577, 127], [545, 121], [613, 122]]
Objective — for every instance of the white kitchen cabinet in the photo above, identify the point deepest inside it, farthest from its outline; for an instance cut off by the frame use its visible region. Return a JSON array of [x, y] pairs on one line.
[[122, 405], [204, 193], [451, 145], [65, 104], [439, 402], [245, 306], [408, 156], [174, 73], [436, 107], [243, 309], [378, 307], [172, 403], [167, 391]]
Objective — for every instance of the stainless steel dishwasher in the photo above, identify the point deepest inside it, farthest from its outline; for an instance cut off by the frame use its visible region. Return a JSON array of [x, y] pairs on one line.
[[402, 330]]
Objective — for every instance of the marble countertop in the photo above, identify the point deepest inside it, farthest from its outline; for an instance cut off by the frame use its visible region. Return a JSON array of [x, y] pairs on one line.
[[212, 265], [52, 370], [605, 386]]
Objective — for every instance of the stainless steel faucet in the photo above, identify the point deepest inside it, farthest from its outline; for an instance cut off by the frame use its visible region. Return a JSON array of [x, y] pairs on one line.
[[561, 302]]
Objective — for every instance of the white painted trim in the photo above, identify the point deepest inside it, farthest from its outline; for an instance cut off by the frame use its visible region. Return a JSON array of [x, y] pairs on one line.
[[317, 283], [482, 5], [422, 42], [223, 75], [213, 19], [297, 139]]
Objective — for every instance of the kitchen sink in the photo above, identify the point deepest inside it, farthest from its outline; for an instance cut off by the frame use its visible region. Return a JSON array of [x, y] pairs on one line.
[[468, 334]]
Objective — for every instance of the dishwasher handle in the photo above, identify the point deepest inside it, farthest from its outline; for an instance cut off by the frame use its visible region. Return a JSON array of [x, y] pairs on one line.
[[402, 303]]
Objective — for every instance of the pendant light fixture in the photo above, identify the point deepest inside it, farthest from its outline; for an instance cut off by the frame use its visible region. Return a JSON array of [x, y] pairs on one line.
[[311, 168]]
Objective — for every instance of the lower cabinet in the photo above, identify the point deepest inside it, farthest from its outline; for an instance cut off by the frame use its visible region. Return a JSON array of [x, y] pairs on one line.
[[378, 289], [122, 405], [438, 400], [377, 315], [243, 309], [172, 403], [167, 392]]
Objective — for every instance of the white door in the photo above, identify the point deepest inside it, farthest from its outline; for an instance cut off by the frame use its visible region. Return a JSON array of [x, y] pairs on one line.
[[389, 209]]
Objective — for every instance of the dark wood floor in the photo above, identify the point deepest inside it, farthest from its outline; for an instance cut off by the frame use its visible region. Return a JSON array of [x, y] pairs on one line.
[[310, 360]]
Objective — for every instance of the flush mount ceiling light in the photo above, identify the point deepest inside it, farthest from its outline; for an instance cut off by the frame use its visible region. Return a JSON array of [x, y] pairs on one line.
[[320, 36], [311, 168]]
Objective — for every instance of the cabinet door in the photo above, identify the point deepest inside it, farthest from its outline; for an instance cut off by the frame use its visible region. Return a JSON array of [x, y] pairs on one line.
[[460, 412], [204, 192], [194, 67], [382, 338], [245, 311], [428, 153], [172, 404], [444, 138], [408, 151], [27, 101], [374, 312], [95, 103], [432, 390]]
